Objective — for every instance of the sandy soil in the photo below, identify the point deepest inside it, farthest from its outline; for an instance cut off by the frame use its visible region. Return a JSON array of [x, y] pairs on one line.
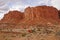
[[42, 33]]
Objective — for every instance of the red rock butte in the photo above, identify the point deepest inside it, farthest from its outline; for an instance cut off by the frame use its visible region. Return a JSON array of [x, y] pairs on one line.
[[12, 17], [47, 12], [41, 11], [33, 15]]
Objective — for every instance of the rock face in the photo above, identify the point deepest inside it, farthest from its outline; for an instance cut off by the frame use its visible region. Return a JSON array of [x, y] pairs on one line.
[[46, 12], [13, 17], [59, 13], [33, 15]]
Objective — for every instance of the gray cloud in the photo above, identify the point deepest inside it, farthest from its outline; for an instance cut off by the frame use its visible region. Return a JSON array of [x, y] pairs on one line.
[[56, 3]]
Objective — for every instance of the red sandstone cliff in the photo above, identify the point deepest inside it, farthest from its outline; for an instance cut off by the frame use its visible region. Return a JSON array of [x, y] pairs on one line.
[[33, 15], [12, 17], [47, 12], [41, 11]]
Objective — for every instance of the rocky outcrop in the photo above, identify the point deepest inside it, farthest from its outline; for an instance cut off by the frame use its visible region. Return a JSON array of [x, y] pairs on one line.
[[41, 11], [13, 17], [43, 15], [47, 12]]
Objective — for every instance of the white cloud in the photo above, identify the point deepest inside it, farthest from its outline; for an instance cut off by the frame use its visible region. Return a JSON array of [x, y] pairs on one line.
[[16, 7], [3, 7], [1, 16], [56, 3], [3, 2]]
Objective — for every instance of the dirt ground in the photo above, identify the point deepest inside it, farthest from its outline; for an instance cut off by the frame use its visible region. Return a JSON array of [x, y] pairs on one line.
[[42, 33]]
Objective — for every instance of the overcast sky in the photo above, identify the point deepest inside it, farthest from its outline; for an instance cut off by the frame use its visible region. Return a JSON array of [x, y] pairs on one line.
[[6, 5]]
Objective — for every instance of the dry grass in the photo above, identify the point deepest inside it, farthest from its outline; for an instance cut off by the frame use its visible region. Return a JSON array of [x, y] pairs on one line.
[[37, 32]]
